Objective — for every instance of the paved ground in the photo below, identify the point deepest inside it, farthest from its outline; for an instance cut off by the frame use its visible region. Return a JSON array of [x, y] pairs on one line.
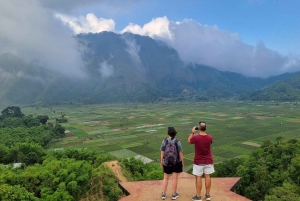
[[151, 190]]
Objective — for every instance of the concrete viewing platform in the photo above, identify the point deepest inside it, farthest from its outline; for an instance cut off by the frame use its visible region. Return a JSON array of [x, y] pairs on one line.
[[222, 189]]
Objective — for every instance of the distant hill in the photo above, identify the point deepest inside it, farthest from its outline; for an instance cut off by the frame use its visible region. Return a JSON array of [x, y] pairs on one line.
[[122, 67], [287, 89]]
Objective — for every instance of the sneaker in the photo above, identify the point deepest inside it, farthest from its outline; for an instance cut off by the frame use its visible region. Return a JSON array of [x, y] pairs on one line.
[[175, 196], [207, 197], [163, 196], [198, 198]]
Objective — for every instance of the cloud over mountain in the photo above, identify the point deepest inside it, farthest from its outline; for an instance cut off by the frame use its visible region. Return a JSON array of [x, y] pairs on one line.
[[208, 45], [41, 31], [88, 24], [30, 31]]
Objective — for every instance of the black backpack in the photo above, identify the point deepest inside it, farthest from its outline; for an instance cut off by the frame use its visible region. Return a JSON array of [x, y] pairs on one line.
[[171, 155]]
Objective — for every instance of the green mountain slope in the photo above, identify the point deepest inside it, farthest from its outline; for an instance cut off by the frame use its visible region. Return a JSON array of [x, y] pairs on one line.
[[122, 67], [284, 90]]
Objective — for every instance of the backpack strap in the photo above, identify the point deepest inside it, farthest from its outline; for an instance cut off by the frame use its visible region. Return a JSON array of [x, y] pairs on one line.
[[176, 141], [166, 141]]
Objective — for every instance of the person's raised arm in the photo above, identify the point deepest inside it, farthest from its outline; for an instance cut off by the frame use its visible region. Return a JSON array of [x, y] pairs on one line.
[[191, 135]]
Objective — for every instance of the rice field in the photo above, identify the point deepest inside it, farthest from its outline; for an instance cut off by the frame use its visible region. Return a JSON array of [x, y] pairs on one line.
[[129, 129]]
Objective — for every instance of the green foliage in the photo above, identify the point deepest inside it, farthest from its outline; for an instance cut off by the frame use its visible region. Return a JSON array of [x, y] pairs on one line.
[[68, 175], [137, 170], [228, 167], [19, 128], [42, 118], [15, 193], [286, 90], [12, 111], [109, 182], [162, 75], [80, 154], [61, 120], [38, 134], [28, 153], [271, 171], [58, 131], [64, 179], [286, 192]]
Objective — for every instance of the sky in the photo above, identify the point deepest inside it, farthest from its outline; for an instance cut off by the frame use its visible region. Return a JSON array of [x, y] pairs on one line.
[[253, 37]]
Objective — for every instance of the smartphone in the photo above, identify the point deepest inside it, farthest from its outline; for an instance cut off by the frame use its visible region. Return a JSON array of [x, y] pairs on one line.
[[197, 128]]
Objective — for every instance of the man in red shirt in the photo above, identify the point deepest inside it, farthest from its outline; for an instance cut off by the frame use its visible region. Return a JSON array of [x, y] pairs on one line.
[[203, 160]]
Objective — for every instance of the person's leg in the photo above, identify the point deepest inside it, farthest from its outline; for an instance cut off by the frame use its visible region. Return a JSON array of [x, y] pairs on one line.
[[208, 169], [198, 172], [174, 182], [207, 183], [198, 185], [165, 182]]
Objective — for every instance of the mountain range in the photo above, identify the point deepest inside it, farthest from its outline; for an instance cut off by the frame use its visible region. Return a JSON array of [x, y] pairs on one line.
[[129, 67]]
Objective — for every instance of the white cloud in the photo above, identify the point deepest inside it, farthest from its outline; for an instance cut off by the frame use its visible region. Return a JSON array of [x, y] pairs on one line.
[[158, 28], [208, 45], [30, 31], [106, 70], [88, 24], [133, 50]]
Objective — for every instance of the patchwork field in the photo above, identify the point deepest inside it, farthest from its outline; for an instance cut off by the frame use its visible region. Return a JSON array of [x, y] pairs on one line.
[[125, 130]]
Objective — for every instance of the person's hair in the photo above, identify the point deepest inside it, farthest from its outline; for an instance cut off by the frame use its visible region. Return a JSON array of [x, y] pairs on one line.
[[202, 127], [172, 132]]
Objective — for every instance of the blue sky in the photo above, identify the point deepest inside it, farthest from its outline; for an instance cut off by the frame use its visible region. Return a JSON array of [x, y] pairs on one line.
[[275, 22], [252, 37]]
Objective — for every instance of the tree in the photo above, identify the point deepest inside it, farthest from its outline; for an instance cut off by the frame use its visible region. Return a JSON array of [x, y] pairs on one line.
[[12, 111], [42, 118], [28, 153], [287, 192], [15, 193], [4, 154], [58, 131], [272, 171], [294, 169], [29, 121]]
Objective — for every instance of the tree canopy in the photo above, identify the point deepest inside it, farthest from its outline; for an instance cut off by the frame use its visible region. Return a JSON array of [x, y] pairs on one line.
[[272, 172]]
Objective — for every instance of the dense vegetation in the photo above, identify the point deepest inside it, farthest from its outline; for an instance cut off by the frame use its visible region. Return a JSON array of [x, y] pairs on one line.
[[286, 90], [271, 173], [54, 175], [15, 127], [136, 170]]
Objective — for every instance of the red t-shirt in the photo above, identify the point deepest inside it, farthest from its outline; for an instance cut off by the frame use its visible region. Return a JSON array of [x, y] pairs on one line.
[[203, 153]]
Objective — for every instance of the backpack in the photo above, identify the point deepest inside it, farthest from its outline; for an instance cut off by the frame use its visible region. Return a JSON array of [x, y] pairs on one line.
[[171, 155]]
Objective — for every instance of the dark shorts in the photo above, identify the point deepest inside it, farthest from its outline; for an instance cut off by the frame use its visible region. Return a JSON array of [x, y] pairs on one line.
[[177, 168]]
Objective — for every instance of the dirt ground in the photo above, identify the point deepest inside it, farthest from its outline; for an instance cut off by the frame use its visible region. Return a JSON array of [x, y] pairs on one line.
[[115, 167]]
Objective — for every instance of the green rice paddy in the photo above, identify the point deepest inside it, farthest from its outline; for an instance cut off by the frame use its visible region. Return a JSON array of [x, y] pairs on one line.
[[138, 129]]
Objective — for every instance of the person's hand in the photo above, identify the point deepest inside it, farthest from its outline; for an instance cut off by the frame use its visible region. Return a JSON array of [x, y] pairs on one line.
[[161, 164], [194, 129]]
